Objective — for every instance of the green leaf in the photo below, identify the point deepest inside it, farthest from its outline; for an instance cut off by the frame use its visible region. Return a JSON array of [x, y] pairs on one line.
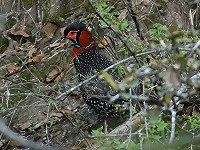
[[97, 132], [133, 146], [123, 25], [161, 126]]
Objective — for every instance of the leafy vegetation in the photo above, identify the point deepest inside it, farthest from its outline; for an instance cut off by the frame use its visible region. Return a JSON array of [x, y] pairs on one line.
[[194, 122], [105, 11]]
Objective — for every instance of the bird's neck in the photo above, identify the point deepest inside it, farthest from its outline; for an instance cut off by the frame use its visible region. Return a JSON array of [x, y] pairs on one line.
[[78, 51]]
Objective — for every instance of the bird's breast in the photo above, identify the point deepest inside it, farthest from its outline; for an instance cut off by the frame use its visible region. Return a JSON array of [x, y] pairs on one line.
[[90, 62]]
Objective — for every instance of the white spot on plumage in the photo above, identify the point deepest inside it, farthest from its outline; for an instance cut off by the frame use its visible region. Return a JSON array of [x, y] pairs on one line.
[[86, 64]]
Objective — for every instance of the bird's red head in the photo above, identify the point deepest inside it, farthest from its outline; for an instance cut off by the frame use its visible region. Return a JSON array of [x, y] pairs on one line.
[[80, 36]]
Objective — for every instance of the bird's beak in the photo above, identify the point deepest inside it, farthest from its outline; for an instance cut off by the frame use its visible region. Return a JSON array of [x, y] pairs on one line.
[[63, 37]]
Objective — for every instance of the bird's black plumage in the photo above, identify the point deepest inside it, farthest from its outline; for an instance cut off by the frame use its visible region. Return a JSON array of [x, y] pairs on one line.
[[87, 63], [95, 93], [90, 62], [74, 26]]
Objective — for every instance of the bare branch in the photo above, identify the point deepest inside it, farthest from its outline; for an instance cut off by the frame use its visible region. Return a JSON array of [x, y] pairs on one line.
[[173, 126]]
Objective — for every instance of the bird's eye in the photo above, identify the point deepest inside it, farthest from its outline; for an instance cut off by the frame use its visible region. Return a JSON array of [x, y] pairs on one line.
[[72, 34]]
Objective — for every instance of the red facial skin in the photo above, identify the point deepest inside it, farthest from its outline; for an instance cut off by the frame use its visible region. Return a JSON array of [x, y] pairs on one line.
[[85, 40]]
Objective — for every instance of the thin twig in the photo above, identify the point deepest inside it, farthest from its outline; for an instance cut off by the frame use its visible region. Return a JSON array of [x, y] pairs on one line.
[[31, 94], [173, 126], [46, 126], [130, 51], [131, 117], [145, 111], [133, 15]]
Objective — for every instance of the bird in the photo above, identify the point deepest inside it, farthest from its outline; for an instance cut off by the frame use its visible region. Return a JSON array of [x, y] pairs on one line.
[[88, 61]]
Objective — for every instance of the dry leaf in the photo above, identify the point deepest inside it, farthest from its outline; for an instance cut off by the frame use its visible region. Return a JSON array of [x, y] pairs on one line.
[[55, 75], [59, 76], [55, 114], [20, 32], [26, 125], [49, 29], [172, 28], [52, 75], [75, 147], [31, 52], [12, 68], [37, 58], [105, 42], [13, 143]]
